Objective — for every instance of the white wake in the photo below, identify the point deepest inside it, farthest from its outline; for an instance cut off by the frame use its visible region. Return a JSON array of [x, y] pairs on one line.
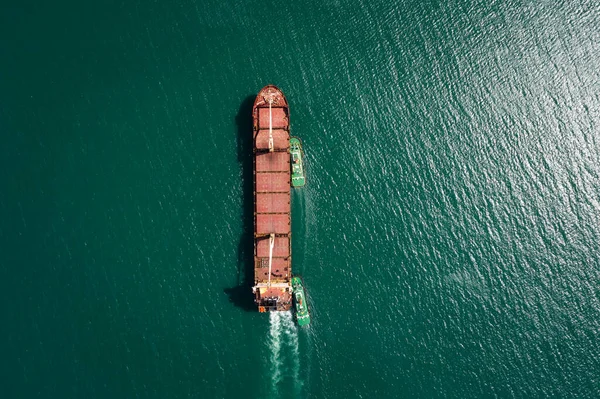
[[284, 352]]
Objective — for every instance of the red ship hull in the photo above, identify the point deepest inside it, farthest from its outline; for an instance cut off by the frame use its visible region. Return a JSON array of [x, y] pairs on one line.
[[272, 287]]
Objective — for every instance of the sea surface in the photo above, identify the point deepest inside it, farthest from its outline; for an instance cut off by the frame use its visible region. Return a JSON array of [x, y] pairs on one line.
[[448, 234]]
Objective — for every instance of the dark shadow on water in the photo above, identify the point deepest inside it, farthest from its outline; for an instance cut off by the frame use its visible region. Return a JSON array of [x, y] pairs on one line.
[[241, 295]]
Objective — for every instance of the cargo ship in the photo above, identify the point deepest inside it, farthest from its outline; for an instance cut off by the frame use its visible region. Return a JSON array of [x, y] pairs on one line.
[[272, 220], [298, 179], [300, 305]]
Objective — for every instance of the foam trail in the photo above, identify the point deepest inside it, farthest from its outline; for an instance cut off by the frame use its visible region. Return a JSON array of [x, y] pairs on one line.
[[285, 353], [291, 332], [275, 346]]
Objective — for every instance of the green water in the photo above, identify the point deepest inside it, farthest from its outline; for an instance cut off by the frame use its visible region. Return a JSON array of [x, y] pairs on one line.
[[447, 235]]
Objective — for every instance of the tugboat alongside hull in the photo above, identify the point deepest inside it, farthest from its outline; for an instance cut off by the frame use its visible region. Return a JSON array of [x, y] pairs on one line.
[[296, 155], [300, 305]]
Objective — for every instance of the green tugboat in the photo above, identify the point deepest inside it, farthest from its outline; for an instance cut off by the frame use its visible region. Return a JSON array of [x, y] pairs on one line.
[[302, 315], [297, 165]]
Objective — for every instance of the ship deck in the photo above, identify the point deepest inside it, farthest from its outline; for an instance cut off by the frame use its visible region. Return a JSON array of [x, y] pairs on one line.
[[272, 201]]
